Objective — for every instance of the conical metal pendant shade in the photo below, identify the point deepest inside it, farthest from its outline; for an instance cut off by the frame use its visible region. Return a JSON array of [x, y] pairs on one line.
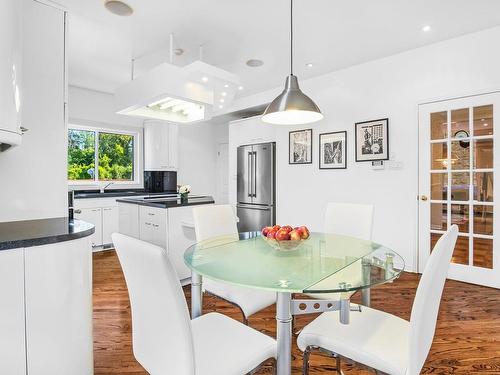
[[292, 106]]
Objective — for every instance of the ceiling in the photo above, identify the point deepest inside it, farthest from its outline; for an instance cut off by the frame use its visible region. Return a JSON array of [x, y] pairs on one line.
[[331, 34]]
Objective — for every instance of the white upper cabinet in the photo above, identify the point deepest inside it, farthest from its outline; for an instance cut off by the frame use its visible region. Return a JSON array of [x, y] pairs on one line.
[[160, 146], [10, 72]]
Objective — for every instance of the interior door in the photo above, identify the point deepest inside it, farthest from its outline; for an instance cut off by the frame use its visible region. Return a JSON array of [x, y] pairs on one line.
[[458, 184], [263, 165]]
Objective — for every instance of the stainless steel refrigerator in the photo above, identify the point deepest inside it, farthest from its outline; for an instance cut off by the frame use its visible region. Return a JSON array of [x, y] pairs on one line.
[[256, 186]]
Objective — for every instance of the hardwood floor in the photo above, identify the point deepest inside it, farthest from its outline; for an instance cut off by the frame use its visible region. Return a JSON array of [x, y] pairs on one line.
[[467, 339]]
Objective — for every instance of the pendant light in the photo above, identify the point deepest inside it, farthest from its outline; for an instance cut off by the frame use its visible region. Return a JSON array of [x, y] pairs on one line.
[[292, 106]]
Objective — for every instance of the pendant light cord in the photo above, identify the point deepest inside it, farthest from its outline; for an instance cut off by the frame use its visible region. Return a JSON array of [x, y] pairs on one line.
[[291, 37]]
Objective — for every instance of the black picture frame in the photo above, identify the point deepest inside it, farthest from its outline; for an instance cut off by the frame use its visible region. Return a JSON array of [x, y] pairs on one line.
[[343, 151], [365, 152], [309, 152]]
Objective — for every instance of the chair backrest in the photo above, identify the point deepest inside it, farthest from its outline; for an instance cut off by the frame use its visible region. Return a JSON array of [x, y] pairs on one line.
[[214, 221], [161, 327], [349, 219], [426, 304]]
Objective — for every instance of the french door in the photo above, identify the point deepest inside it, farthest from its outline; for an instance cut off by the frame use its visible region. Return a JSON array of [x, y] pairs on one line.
[[458, 184]]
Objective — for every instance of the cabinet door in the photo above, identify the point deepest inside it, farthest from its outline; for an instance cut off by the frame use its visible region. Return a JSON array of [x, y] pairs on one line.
[[12, 331], [93, 216], [160, 146], [109, 223], [128, 219]]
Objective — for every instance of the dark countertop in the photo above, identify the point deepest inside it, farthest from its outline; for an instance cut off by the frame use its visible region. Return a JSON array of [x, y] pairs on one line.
[[113, 193], [169, 202], [27, 233]]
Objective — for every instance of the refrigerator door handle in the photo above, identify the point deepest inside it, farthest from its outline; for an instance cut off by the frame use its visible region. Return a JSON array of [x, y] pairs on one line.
[[250, 174], [254, 191]]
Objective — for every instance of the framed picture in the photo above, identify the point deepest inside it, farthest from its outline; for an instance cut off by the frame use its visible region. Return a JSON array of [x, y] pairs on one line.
[[372, 140], [300, 147], [333, 150]]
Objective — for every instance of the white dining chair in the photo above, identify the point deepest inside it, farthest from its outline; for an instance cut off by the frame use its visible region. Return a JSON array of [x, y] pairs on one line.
[[165, 340], [212, 221], [348, 219], [381, 341]]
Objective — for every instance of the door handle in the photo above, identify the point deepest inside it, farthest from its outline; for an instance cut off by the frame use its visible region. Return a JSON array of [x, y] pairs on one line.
[[254, 191], [249, 168], [77, 211], [423, 197]]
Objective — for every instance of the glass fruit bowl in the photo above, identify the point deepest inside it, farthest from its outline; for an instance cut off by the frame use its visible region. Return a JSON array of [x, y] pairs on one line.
[[285, 245]]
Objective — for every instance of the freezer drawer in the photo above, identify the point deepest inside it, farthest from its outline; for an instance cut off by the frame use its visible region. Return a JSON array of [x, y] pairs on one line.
[[254, 217]]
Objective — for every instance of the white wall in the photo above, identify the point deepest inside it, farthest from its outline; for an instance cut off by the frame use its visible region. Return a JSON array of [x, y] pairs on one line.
[[33, 175], [391, 87]]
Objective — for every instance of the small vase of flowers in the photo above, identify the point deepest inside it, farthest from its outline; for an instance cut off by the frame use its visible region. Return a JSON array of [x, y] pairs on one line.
[[184, 191]]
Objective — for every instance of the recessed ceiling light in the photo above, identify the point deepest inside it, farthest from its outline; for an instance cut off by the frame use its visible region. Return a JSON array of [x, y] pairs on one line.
[[223, 93], [485, 124], [254, 63], [118, 7], [426, 28], [221, 106], [226, 85], [204, 79], [309, 65], [222, 100], [240, 88]]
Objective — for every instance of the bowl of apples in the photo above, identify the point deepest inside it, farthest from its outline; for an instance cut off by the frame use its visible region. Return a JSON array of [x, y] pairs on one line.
[[285, 238]]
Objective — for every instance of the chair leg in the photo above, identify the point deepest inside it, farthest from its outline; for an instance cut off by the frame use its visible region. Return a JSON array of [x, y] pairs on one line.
[[305, 361], [337, 365]]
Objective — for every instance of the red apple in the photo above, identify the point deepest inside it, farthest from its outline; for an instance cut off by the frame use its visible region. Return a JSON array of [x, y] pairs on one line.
[[304, 232], [295, 235], [266, 230], [288, 228], [277, 228], [271, 234], [282, 235]]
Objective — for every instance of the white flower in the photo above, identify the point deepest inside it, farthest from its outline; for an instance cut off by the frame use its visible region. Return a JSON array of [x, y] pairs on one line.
[[185, 189]]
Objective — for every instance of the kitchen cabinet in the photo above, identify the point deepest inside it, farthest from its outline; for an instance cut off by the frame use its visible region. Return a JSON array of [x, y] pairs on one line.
[[153, 225], [10, 71], [93, 216], [12, 343], [181, 236], [109, 223], [160, 146]]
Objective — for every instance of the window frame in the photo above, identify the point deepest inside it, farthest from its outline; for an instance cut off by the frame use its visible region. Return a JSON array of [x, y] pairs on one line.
[[96, 183]]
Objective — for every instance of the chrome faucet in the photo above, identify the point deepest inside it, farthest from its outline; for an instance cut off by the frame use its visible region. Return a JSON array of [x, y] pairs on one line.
[[105, 186]]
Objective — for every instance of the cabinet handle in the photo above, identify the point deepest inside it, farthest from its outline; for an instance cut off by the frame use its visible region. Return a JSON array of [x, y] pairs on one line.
[[107, 209], [150, 214], [155, 225], [96, 210], [77, 211], [147, 223]]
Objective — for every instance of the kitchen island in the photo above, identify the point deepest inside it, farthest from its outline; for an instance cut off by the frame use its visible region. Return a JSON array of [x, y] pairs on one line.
[[46, 297], [166, 221]]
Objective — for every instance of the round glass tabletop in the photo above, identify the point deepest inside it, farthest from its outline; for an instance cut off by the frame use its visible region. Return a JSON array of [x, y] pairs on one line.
[[324, 263]]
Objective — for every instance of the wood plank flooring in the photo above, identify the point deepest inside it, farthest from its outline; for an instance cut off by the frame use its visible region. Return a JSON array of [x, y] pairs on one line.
[[467, 339]]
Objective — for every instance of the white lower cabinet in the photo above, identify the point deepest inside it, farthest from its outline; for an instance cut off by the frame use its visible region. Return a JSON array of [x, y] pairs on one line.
[[58, 297], [46, 309], [169, 228], [12, 344], [93, 216], [109, 223]]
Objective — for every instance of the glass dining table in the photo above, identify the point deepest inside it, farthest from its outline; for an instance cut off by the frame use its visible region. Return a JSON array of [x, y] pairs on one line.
[[324, 263]]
